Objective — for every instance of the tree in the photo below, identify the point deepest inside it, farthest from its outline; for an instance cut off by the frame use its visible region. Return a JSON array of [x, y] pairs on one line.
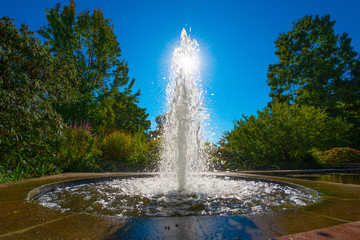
[[160, 121], [31, 80], [319, 68], [88, 41], [283, 135]]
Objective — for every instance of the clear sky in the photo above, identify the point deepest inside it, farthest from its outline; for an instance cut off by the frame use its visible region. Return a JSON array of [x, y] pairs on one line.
[[236, 41]]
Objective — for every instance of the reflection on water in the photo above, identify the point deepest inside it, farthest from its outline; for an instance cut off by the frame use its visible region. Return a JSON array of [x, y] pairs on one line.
[[345, 178]]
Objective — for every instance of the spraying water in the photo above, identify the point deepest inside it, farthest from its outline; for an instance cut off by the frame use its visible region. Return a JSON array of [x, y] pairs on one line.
[[183, 156]]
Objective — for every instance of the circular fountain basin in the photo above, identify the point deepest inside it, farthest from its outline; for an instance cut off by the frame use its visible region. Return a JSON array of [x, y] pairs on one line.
[[152, 196]]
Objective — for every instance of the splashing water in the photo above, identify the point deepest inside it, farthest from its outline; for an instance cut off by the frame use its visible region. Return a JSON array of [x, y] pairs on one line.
[[183, 156], [150, 197]]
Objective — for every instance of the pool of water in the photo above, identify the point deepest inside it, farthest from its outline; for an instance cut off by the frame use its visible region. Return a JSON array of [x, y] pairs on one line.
[[154, 197], [345, 178]]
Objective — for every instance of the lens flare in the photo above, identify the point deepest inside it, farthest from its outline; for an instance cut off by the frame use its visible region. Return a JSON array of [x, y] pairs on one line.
[[188, 64], [185, 60]]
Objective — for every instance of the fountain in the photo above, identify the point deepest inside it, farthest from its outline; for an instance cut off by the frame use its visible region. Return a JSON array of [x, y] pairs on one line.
[[182, 187], [183, 156]]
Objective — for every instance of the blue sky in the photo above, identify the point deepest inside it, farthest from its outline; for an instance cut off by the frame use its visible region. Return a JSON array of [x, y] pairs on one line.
[[236, 41]]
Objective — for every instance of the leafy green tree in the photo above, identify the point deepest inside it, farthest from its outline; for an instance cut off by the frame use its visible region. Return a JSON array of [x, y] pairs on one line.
[[129, 116], [283, 136], [315, 64], [87, 40], [31, 80], [319, 68], [160, 121]]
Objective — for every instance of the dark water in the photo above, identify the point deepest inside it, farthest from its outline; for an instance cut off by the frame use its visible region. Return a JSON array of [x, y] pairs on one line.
[[345, 178]]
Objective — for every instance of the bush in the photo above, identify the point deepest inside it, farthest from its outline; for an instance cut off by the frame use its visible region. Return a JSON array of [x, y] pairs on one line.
[[79, 150], [138, 149], [224, 158], [283, 136], [116, 150], [30, 168], [116, 146], [338, 155], [128, 152], [153, 155]]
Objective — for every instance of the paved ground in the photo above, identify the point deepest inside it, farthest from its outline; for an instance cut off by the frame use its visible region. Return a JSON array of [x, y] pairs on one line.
[[345, 231], [339, 205]]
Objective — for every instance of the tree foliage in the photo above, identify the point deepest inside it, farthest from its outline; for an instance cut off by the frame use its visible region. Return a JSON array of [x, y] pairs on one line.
[[76, 75], [160, 122], [283, 135], [318, 68], [104, 90], [31, 80]]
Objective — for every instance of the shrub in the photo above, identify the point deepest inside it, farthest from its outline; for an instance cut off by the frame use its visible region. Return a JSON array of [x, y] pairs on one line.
[[138, 149], [79, 150], [153, 154], [282, 136], [126, 152], [28, 168], [116, 146], [338, 155], [225, 158]]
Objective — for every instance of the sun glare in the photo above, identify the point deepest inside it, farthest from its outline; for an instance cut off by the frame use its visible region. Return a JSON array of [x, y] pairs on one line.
[[188, 64], [185, 57]]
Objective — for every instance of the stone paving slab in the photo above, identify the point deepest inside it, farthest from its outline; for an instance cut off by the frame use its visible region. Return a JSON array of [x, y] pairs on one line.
[[73, 226], [17, 216], [349, 231]]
